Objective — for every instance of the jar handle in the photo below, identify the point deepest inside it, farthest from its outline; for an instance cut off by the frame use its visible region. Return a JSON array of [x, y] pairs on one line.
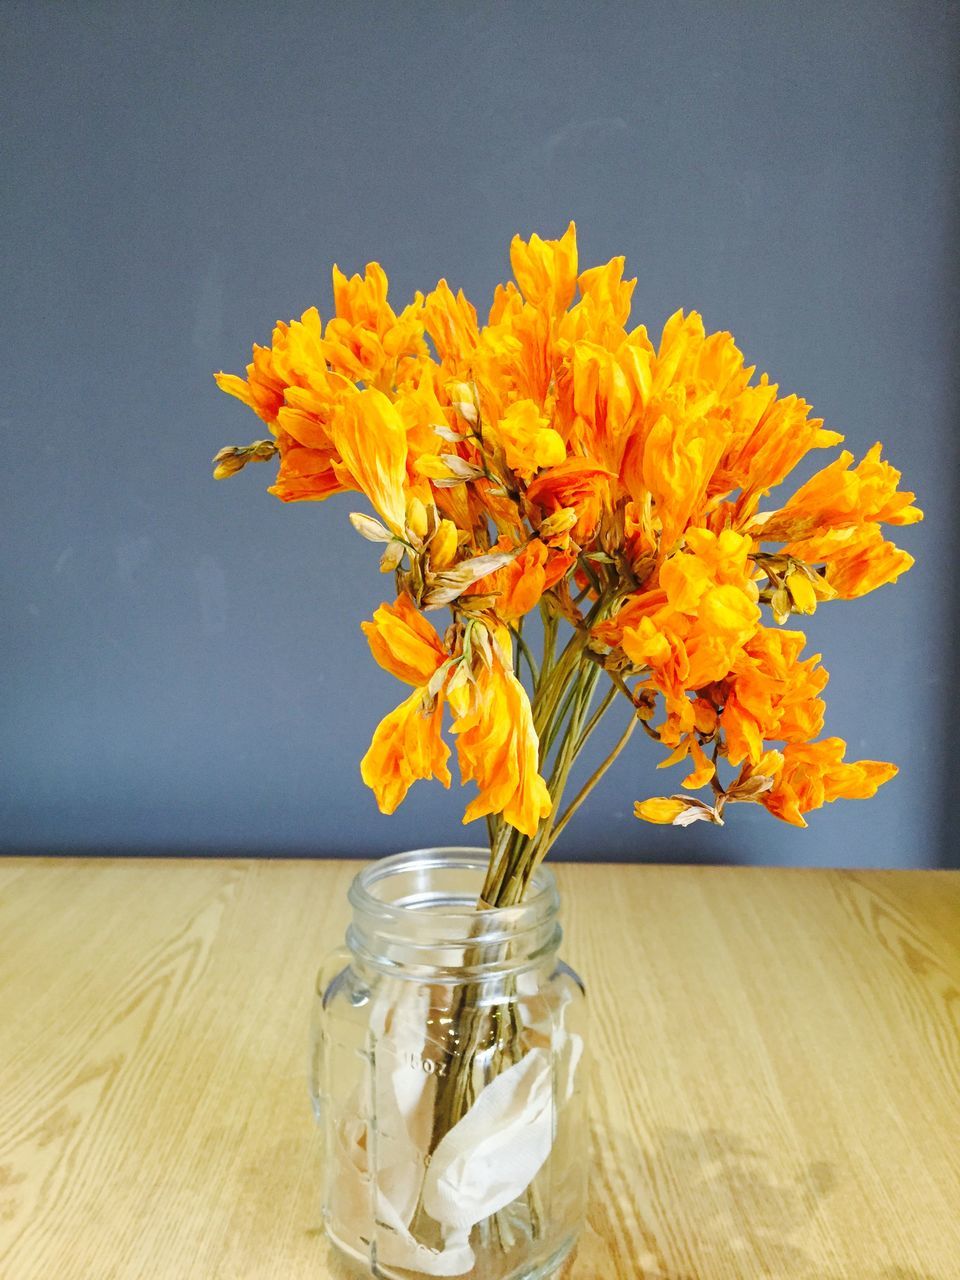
[[333, 965]]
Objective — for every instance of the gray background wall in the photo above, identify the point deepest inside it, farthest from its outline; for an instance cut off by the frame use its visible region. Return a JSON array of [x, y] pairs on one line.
[[183, 670]]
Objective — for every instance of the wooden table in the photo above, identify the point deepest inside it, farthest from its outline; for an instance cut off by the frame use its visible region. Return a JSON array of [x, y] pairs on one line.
[[776, 1070]]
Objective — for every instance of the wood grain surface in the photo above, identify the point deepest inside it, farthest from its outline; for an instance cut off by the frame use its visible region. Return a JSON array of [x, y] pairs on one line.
[[776, 1070]]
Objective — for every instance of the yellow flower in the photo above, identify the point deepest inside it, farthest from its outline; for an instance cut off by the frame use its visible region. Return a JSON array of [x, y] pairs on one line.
[[370, 437], [407, 746], [802, 592], [235, 457], [498, 749], [416, 518], [677, 811], [663, 810], [528, 441], [443, 545]]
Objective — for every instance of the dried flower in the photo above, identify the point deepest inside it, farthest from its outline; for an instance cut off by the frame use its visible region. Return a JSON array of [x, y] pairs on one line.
[[555, 459]]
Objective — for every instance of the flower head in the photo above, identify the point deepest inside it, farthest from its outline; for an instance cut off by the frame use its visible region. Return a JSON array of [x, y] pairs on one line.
[[407, 746], [404, 643], [497, 747], [557, 457]]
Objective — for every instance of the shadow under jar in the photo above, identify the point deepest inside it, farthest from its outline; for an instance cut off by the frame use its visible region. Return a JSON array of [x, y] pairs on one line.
[[447, 1071]]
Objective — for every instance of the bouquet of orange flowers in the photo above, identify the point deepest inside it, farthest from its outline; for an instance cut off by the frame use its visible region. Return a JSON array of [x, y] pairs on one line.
[[555, 461]]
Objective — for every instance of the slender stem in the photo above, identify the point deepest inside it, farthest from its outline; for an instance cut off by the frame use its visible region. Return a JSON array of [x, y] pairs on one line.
[[595, 777], [591, 576], [549, 637], [524, 649], [585, 684], [553, 728], [553, 687], [597, 716]]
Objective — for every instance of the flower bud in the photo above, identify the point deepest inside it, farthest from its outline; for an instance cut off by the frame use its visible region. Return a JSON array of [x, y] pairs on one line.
[[463, 398], [416, 518], [780, 604], [443, 545], [235, 457], [391, 558], [801, 592], [369, 528], [560, 522]]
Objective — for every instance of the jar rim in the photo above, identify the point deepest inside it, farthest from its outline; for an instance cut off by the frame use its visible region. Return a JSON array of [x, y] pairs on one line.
[[542, 899]]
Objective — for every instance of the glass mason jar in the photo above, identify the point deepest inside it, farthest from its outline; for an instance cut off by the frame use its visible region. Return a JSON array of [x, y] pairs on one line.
[[447, 1072]]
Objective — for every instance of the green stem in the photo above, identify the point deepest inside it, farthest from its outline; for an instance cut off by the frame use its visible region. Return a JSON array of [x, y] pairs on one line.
[[556, 722], [595, 777], [585, 684], [597, 716], [524, 649], [549, 637]]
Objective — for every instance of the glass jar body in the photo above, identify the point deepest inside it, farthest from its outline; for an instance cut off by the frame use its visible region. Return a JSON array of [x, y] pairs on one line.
[[449, 1077]]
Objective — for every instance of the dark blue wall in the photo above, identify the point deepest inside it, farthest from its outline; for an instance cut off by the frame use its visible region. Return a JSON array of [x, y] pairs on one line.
[[183, 669]]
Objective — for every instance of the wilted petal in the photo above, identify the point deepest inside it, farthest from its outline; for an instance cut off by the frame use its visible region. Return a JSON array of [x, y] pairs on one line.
[[407, 746]]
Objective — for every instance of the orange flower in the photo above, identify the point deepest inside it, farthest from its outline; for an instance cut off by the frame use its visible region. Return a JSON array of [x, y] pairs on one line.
[[603, 395], [288, 361], [808, 775], [519, 585], [604, 305], [837, 497], [590, 456], [366, 340], [404, 643], [514, 360], [577, 484], [451, 322], [305, 474], [407, 746], [858, 558], [498, 749], [703, 769], [677, 464], [767, 438], [770, 695], [546, 270], [691, 630], [421, 411]]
